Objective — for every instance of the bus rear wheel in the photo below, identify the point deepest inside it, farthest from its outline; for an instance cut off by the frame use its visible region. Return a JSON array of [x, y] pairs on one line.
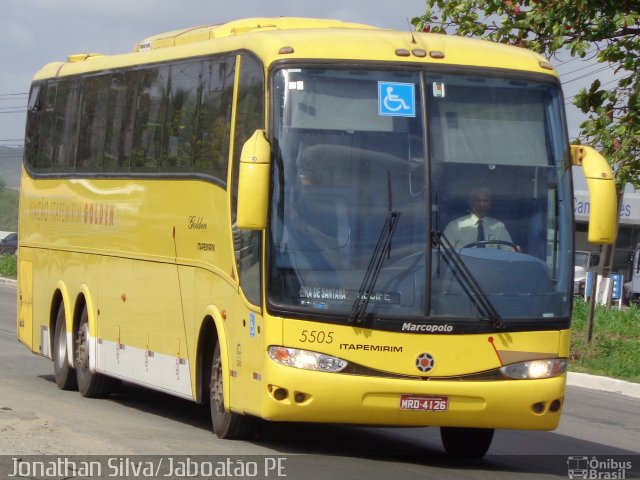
[[466, 442], [90, 384], [227, 425], [64, 373]]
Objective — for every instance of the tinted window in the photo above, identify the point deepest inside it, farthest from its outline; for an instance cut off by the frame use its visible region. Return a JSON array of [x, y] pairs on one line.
[[119, 122], [148, 153], [93, 124], [163, 119]]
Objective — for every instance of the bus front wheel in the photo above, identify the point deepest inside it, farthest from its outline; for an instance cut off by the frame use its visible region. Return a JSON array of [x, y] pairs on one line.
[[466, 442], [226, 424], [90, 384], [64, 373]]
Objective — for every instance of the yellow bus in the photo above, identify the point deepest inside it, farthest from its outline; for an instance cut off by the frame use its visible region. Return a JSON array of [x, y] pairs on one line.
[[271, 216]]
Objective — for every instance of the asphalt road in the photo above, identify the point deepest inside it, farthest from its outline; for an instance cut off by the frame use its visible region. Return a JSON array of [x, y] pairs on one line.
[[37, 419]]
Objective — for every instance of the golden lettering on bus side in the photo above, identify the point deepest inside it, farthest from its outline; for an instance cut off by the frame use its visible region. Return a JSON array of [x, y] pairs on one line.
[[99, 214], [88, 212], [61, 211], [112, 211]]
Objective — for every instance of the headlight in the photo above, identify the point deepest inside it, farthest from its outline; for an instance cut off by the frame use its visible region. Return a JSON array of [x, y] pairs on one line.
[[532, 369], [293, 357]]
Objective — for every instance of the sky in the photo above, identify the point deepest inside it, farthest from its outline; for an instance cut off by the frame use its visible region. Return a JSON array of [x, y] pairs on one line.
[[36, 32]]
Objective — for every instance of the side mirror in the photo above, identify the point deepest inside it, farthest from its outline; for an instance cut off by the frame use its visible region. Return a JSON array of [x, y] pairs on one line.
[[603, 211], [253, 182]]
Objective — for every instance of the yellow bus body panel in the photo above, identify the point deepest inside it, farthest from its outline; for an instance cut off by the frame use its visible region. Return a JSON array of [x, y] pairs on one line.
[[25, 301]]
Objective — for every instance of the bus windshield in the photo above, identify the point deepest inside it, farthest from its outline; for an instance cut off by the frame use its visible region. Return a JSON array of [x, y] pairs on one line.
[[437, 152]]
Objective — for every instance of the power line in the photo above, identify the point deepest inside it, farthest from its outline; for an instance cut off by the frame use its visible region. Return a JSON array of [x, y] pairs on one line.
[[587, 74], [603, 69], [579, 69], [588, 61], [14, 97]]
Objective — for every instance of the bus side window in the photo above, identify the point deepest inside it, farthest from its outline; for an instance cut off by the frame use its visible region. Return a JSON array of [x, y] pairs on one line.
[[47, 129], [93, 123], [148, 151], [120, 119], [186, 79], [35, 113], [214, 118], [67, 119]]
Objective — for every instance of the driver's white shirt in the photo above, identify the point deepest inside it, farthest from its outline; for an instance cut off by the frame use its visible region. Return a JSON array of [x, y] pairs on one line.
[[464, 230]]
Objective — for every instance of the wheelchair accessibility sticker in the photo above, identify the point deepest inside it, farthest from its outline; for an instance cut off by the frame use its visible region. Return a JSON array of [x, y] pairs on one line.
[[396, 99]]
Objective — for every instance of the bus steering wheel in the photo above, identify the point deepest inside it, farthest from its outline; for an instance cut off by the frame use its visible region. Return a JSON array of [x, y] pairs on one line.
[[515, 247]]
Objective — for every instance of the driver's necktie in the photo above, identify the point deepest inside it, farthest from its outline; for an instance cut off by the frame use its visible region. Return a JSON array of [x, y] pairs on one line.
[[480, 233]]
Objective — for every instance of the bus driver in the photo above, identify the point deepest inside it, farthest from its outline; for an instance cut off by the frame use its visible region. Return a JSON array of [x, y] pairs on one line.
[[477, 226]]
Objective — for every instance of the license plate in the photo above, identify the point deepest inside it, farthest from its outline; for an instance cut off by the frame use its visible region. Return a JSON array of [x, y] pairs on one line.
[[424, 402]]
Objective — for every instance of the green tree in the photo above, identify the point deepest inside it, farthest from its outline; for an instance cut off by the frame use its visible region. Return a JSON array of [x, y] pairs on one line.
[[610, 29]]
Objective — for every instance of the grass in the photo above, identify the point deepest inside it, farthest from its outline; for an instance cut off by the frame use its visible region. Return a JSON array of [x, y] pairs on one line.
[[615, 346], [8, 266]]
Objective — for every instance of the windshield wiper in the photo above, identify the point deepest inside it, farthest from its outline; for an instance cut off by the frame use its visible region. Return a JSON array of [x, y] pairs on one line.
[[383, 245], [466, 279]]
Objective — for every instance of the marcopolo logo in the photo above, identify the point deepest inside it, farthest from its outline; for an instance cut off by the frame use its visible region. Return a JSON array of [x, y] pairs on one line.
[[597, 468], [420, 327]]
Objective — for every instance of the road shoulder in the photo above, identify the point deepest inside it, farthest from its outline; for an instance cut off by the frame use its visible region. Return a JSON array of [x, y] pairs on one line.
[[605, 384]]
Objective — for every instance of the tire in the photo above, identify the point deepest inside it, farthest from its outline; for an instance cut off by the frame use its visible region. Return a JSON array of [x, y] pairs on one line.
[[90, 384], [64, 373], [466, 442], [227, 425]]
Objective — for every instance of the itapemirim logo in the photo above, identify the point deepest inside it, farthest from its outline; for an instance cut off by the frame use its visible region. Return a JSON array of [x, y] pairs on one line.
[[592, 467]]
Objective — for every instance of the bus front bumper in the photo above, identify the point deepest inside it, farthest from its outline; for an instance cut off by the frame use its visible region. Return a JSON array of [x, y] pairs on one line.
[[292, 394]]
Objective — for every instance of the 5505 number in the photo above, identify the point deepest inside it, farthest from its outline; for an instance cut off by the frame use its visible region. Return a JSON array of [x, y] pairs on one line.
[[316, 336]]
